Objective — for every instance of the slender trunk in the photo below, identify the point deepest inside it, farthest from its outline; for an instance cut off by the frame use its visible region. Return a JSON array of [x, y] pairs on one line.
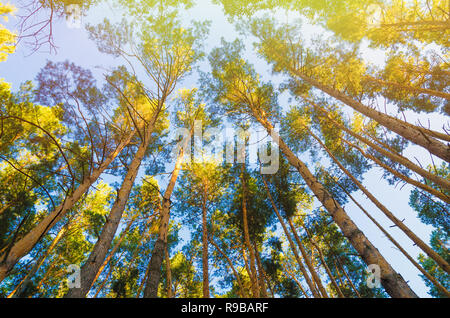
[[399, 175], [151, 287], [18, 291], [262, 274], [253, 274], [393, 282], [247, 268], [169, 274], [308, 280], [47, 273], [292, 276], [429, 251], [26, 244], [236, 274], [404, 252], [98, 254], [142, 284], [348, 279], [416, 90], [113, 251], [100, 288], [205, 249], [325, 265], [338, 274], [420, 136], [393, 156], [110, 271], [307, 259]]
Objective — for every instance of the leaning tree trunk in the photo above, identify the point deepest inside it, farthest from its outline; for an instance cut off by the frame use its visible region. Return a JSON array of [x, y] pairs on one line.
[[18, 291], [428, 250], [393, 282], [253, 275], [307, 260], [236, 274], [445, 184], [114, 249], [419, 136], [26, 244], [152, 283], [399, 175], [401, 249], [205, 249], [262, 274], [98, 254], [325, 265], [308, 280]]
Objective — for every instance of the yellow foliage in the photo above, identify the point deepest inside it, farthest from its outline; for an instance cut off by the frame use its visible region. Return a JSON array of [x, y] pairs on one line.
[[7, 38]]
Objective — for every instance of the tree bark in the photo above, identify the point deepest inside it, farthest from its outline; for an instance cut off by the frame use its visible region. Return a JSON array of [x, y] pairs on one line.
[[90, 269], [169, 274], [151, 287]]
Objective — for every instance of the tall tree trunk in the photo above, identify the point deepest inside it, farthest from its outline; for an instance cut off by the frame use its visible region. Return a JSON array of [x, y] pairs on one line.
[[428, 250], [144, 280], [307, 259], [110, 271], [309, 282], [151, 287], [205, 249], [325, 265], [348, 278], [401, 249], [236, 274], [253, 274], [292, 276], [47, 273], [420, 136], [18, 291], [90, 269], [26, 244], [116, 246], [169, 274], [262, 274], [393, 282]]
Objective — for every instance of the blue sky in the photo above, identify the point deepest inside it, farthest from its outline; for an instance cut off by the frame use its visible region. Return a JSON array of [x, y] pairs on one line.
[[74, 45]]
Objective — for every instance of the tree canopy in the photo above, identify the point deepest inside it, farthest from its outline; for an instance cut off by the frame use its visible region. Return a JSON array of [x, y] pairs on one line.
[[293, 149]]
